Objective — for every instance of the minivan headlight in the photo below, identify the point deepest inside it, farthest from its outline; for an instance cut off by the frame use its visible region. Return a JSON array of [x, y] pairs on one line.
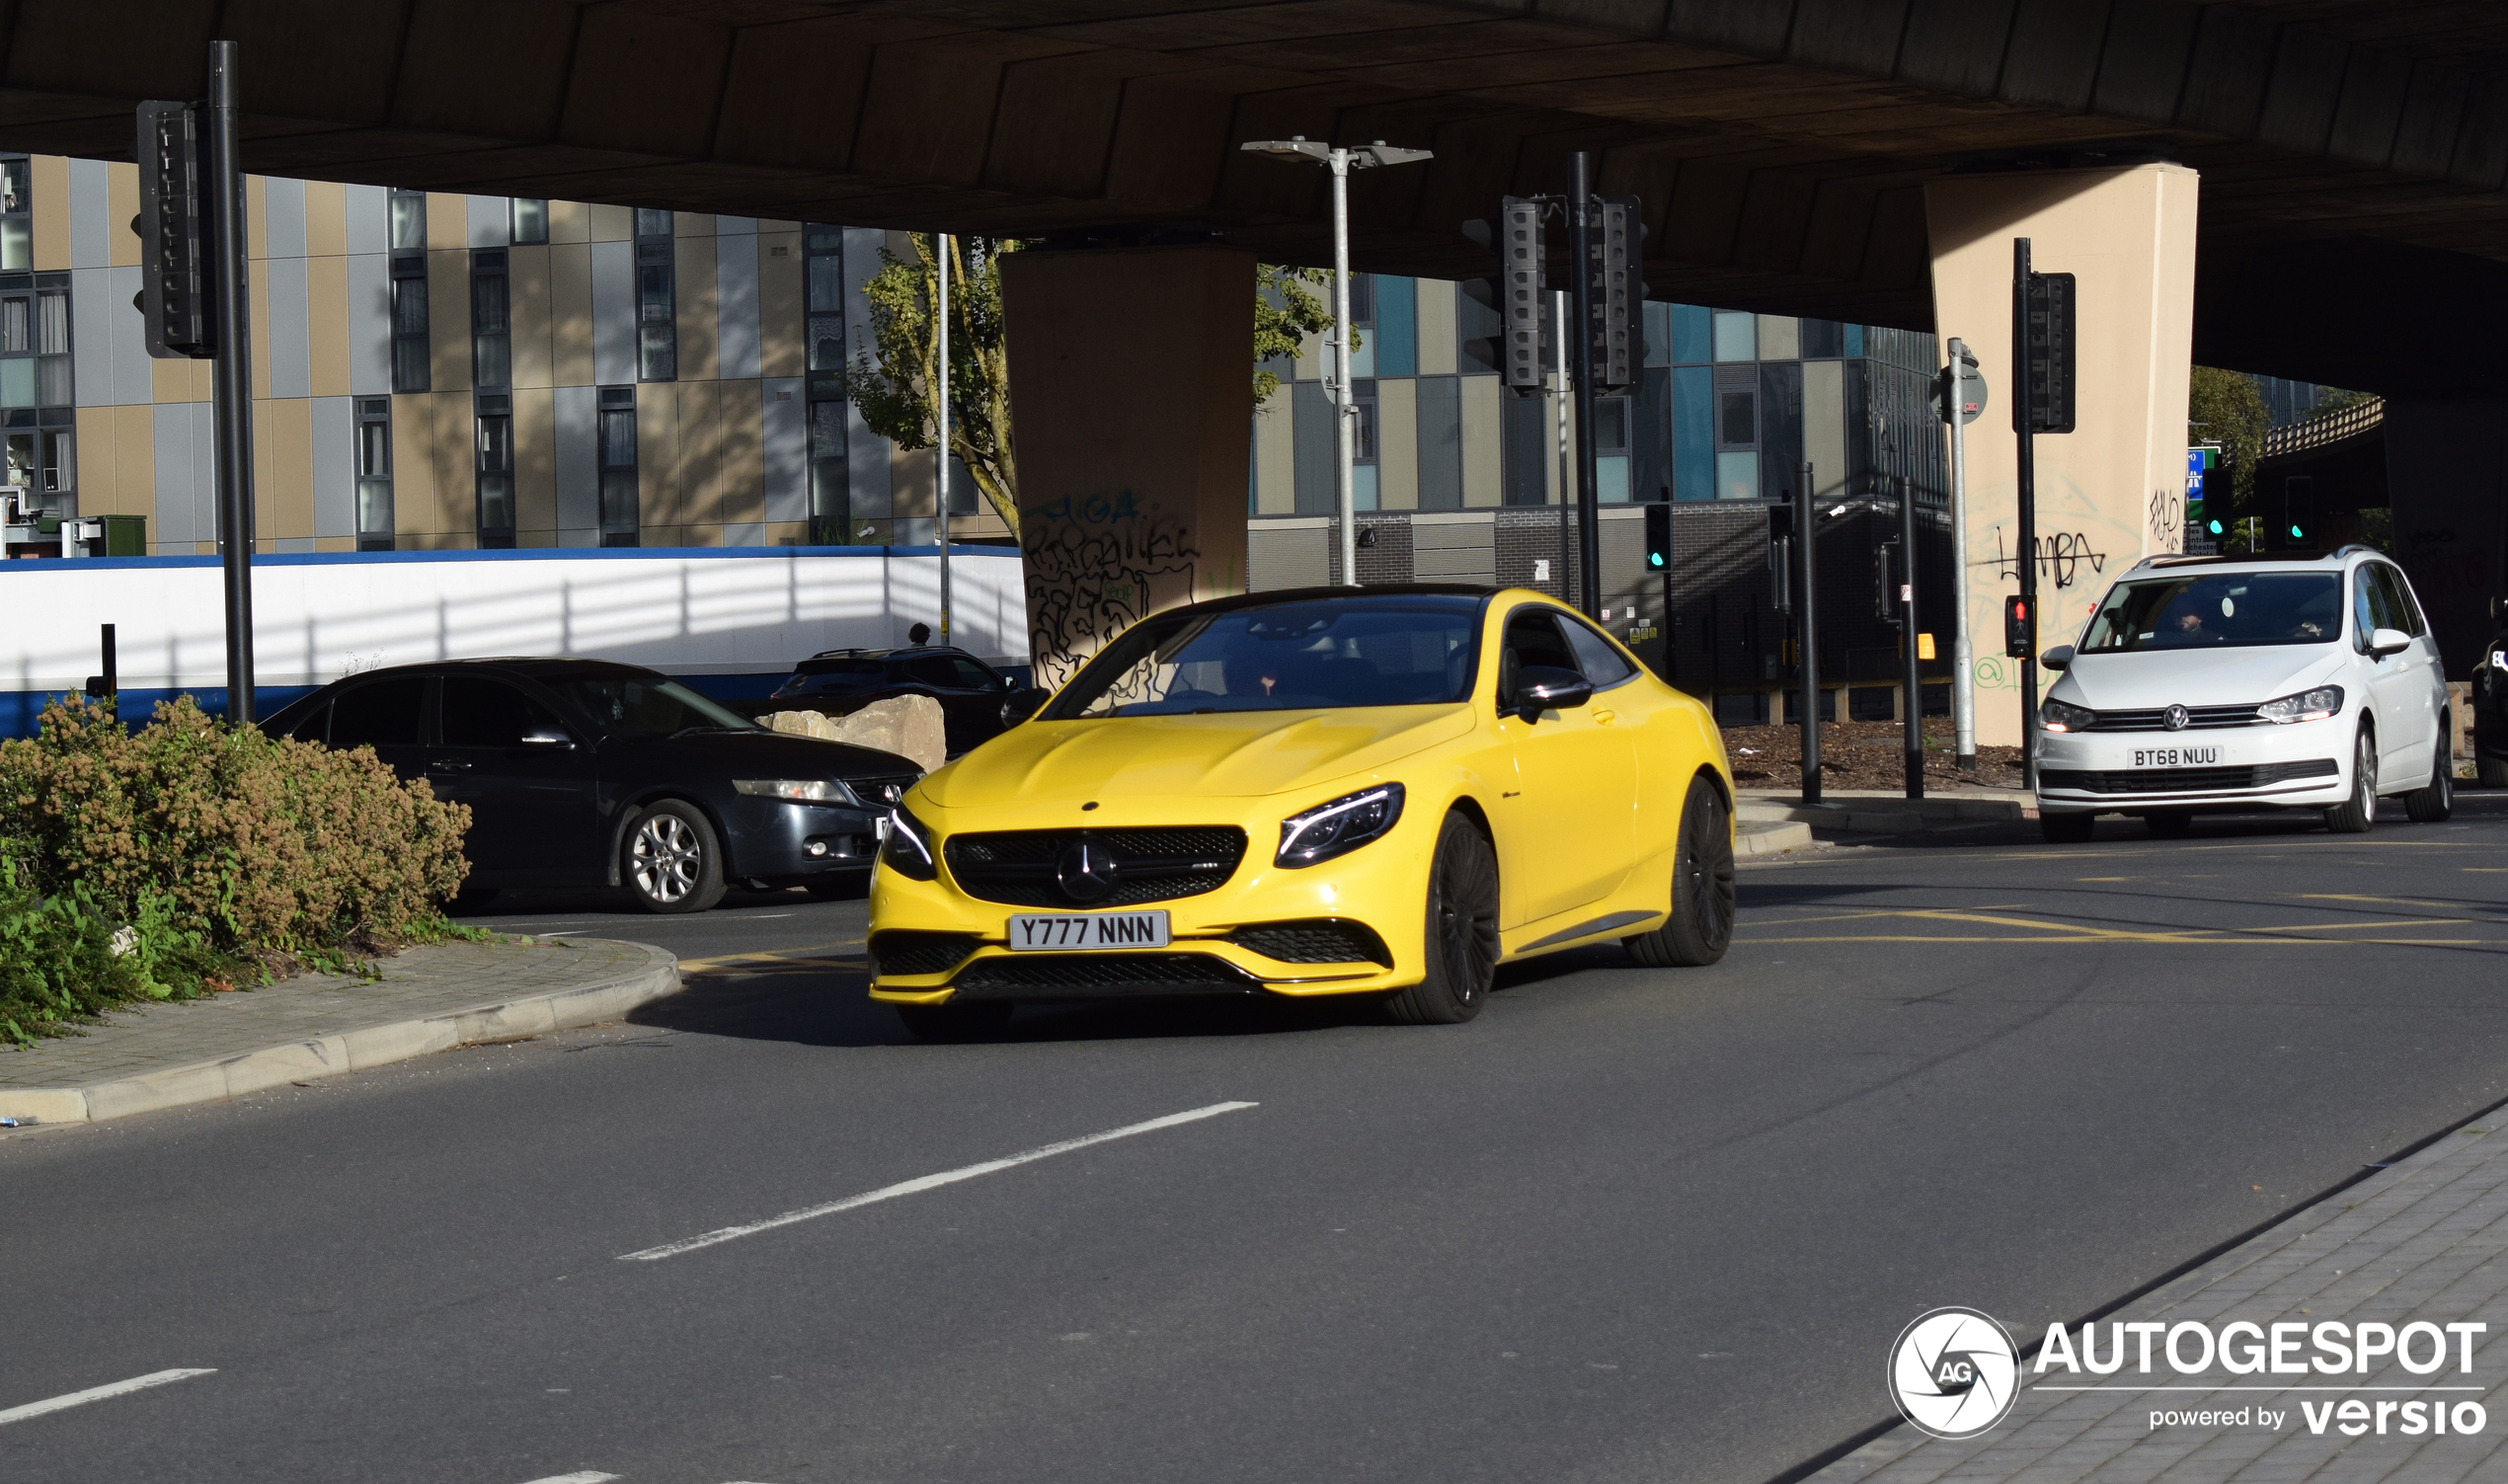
[[2307, 705], [1338, 827], [907, 850], [2064, 716], [806, 790]]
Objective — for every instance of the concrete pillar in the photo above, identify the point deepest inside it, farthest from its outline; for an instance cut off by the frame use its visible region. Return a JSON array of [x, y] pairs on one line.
[[2113, 491], [1131, 396], [2447, 473]]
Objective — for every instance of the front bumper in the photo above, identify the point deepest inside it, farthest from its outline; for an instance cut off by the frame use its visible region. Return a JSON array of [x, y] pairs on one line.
[[2303, 765], [957, 944], [777, 839]]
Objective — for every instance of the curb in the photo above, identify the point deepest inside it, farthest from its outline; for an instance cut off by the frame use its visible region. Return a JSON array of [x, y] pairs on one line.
[[350, 1050], [1883, 815], [1771, 836]]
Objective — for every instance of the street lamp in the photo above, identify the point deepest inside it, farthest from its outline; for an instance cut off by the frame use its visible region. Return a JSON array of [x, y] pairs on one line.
[[1342, 162]]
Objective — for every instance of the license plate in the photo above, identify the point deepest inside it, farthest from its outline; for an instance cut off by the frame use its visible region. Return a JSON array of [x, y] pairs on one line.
[[879, 826], [1046, 932], [2175, 757]]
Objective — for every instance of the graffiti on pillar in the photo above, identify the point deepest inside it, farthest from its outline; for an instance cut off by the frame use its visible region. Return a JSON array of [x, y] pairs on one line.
[[2062, 559], [2167, 521], [1096, 564]]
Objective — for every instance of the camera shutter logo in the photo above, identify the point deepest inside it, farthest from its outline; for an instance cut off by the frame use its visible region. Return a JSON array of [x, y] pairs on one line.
[[1954, 1372]]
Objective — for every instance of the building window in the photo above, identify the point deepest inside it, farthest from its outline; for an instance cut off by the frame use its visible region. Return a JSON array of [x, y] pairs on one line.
[[42, 463], [529, 220], [620, 515], [35, 340], [496, 470], [17, 215], [1737, 334], [1364, 491], [491, 324], [408, 323], [374, 473], [656, 313], [822, 275], [1737, 420], [1363, 326], [409, 222], [1610, 447]]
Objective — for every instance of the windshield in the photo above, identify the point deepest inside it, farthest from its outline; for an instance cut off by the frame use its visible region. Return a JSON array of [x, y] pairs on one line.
[[2217, 610], [642, 706], [1289, 657]]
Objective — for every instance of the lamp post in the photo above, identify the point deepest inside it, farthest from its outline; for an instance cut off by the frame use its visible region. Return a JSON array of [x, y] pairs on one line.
[[1345, 442], [940, 468]]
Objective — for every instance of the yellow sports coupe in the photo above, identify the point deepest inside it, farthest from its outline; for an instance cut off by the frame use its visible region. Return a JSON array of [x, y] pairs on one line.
[[1383, 792]]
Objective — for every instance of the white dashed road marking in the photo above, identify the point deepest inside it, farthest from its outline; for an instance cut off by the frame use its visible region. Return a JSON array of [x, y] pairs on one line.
[[925, 1183], [98, 1393]]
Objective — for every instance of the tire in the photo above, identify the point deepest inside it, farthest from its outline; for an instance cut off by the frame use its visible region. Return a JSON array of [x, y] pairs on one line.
[[2356, 814], [2434, 801], [1700, 927], [2067, 830], [2493, 772], [852, 886], [972, 1021], [1461, 936], [2169, 824], [671, 860]]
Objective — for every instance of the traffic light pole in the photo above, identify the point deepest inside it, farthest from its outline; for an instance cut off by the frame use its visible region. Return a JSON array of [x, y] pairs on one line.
[[1911, 680], [1963, 643], [233, 383], [1588, 470], [2021, 421], [1806, 603]]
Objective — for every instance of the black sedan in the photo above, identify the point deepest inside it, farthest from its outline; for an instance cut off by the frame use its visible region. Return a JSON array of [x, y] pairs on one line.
[[969, 691], [2490, 703], [584, 773]]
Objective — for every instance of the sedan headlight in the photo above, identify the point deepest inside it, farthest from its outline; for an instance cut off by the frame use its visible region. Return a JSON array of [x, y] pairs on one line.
[[1339, 826], [907, 850], [806, 790], [2307, 705], [2064, 716]]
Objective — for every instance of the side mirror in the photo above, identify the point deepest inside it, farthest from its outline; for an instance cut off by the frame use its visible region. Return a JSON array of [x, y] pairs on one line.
[[2385, 642], [1019, 705], [1545, 688], [2499, 610], [547, 736], [2058, 657]]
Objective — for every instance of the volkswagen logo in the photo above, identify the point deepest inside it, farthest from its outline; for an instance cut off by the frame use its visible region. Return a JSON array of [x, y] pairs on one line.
[[1954, 1372], [2175, 717], [1086, 871]]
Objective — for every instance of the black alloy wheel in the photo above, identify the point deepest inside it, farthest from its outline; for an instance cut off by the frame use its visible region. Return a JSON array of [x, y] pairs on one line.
[[1700, 926], [2356, 814], [1462, 930]]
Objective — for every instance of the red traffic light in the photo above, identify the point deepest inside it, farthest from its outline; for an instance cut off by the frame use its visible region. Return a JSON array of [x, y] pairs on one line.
[[2019, 633]]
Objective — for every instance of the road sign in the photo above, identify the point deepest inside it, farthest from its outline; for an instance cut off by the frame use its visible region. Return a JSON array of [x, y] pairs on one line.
[[2050, 353], [1971, 393]]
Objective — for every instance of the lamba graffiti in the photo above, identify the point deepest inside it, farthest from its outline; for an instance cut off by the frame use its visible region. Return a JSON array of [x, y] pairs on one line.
[[1096, 564]]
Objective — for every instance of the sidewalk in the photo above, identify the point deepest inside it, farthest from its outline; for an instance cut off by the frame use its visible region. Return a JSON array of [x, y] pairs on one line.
[[428, 999], [1879, 811], [2426, 1241]]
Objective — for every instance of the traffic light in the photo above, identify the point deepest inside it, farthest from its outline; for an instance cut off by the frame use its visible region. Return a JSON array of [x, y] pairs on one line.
[[2020, 630], [1515, 294], [2048, 399], [1619, 293], [2298, 530], [174, 247], [1658, 537]]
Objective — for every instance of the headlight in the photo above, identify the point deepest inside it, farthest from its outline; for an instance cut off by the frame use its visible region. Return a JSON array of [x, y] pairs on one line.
[[907, 850], [1337, 828], [2064, 716], [2307, 705], [806, 790]]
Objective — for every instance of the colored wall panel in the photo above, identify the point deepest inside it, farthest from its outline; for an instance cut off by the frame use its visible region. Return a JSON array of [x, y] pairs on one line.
[[696, 307], [447, 313], [326, 326], [1396, 326], [784, 448], [575, 460], [736, 304], [1694, 432], [534, 461], [527, 292], [1397, 440], [369, 323], [1480, 398], [335, 475], [569, 314], [613, 312], [740, 492]]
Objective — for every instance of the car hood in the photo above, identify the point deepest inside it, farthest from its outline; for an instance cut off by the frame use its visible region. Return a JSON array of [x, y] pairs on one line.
[[1239, 753], [774, 754], [2196, 678]]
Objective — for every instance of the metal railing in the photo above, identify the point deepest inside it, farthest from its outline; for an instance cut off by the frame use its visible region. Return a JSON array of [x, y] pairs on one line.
[[2328, 427]]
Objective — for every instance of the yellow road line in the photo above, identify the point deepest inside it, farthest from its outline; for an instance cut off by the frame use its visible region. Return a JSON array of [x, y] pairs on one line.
[[721, 961]]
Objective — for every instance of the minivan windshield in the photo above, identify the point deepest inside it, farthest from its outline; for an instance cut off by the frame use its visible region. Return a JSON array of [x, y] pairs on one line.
[[2217, 610], [1393, 650]]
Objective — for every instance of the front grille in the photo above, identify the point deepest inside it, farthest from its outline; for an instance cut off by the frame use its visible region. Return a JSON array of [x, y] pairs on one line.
[[1020, 866], [884, 790], [2186, 780], [901, 952], [1098, 973], [1318, 940], [2198, 719]]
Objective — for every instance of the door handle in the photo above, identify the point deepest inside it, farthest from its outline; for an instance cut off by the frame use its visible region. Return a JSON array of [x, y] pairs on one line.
[[448, 765]]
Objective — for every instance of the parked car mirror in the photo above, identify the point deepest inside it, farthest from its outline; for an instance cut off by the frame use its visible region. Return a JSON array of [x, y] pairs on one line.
[[1019, 705], [2499, 610], [2058, 657], [1543, 687], [547, 736], [2385, 642]]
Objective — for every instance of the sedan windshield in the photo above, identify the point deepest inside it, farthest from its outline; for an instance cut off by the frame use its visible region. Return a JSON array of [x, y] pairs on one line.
[[1414, 651], [643, 706], [2217, 610]]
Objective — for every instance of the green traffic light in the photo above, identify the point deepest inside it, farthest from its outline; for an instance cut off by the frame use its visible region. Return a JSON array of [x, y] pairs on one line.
[[2295, 532], [1653, 559], [2215, 527]]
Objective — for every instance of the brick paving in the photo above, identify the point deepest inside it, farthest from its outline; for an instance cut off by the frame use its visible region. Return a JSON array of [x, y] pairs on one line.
[[416, 984], [2424, 1241]]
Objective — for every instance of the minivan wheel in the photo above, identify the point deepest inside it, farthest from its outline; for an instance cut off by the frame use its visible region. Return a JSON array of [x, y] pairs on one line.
[[2434, 801], [671, 861], [2356, 814], [2066, 830]]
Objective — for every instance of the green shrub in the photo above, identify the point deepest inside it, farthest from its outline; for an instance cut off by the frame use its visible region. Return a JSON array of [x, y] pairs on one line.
[[265, 851]]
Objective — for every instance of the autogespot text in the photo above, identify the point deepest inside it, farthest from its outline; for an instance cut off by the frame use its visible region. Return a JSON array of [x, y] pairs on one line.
[[2320, 1352]]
